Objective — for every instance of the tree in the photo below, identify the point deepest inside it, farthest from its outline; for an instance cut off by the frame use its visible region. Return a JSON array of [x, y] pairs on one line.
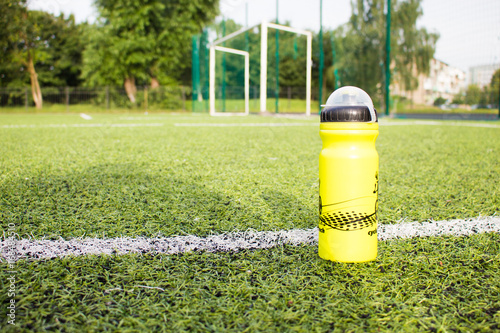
[[439, 101], [458, 98], [361, 45], [19, 43], [495, 87], [414, 48], [10, 12], [41, 49], [10, 23], [25, 51], [143, 41], [472, 94], [63, 42], [58, 46]]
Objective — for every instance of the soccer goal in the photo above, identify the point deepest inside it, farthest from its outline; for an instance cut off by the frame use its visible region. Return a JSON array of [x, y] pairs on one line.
[[263, 66], [245, 54]]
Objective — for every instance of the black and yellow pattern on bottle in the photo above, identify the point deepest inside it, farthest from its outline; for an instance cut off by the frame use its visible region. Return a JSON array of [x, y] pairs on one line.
[[347, 221]]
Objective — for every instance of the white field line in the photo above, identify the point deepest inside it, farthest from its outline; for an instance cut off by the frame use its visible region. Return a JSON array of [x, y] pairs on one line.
[[243, 124], [146, 118], [436, 123], [13, 250], [382, 123], [85, 116], [81, 125]]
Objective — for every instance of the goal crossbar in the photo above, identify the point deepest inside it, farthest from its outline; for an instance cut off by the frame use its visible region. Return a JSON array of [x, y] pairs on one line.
[[232, 35], [263, 63]]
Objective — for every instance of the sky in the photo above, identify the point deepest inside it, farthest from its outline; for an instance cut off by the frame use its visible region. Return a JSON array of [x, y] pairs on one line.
[[469, 29]]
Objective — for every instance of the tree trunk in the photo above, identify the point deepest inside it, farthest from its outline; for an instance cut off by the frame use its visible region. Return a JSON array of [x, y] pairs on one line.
[[154, 83], [35, 86], [130, 88]]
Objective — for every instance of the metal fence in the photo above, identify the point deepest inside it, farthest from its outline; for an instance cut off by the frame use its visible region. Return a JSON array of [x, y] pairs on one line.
[[161, 98], [232, 98]]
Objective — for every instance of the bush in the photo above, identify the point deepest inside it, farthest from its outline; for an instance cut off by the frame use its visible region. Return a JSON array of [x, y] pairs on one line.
[[458, 99], [439, 101]]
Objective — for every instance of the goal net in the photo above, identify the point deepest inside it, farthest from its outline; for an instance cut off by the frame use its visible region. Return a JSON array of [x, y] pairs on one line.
[[263, 82]]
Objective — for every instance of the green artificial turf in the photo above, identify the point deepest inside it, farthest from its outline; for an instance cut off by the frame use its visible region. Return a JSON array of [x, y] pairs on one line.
[[447, 284], [148, 180], [169, 180], [143, 181]]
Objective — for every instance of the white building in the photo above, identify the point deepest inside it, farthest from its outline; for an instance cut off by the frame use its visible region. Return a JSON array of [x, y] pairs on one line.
[[481, 75], [443, 81]]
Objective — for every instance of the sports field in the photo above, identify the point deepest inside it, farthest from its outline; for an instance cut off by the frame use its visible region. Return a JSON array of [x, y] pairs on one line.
[[68, 179]]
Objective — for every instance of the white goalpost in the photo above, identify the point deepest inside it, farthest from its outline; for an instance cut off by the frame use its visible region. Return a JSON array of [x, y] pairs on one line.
[[263, 63], [263, 66], [212, 80]]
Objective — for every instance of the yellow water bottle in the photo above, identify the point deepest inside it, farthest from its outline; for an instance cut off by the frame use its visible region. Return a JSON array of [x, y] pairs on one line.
[[348, 174]]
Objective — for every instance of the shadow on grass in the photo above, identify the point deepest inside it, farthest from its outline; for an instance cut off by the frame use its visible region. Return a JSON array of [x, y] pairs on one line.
[[125, 200]]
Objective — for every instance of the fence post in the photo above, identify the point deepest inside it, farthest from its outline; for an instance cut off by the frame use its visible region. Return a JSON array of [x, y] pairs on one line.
[[67, 99], [107, 97], [498, 97], [255, 95], [146, 98], [26, 98], [289, 98], [183, 98], [388, 58]]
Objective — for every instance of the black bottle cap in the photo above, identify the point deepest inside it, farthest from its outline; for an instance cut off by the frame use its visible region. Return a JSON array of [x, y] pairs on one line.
[[347, 113]]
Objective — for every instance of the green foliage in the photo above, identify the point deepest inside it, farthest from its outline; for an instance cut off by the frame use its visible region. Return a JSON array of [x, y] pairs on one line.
[[292, 61], [54, 43], [13, 24], [486, 96], [359, 48], [439, 101], [59, 64], [331, 45], [142, 40], [362, 48], [235, 67], [472, 94], [458, 99], [495, 87], [413, 48], [10, 22]]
